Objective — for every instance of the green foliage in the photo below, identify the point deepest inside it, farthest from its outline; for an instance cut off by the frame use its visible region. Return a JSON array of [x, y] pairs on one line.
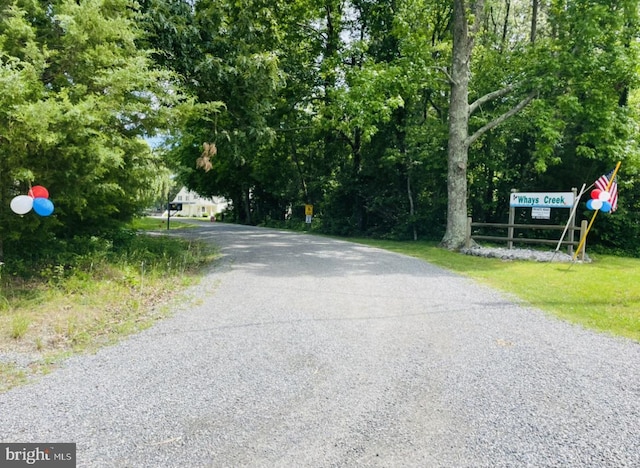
[[63, 258], [77, 96], [345, 105]]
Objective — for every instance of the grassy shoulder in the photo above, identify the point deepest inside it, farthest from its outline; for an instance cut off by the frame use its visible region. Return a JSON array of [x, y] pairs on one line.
[[108, 294], [603, 295]]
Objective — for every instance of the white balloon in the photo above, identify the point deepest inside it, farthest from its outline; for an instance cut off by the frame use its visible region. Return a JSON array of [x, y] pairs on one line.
[[596, 204], [604, 196], [21, 204]]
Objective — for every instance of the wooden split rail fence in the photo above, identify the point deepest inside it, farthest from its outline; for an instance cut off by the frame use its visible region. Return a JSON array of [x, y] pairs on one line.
[[514, 232]]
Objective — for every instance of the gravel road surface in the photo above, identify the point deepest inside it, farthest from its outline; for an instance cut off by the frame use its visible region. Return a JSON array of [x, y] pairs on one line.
[[300, 351]]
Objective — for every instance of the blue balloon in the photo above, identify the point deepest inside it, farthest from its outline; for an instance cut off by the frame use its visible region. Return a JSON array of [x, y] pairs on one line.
[[42, 206], [590, 204], [606, 207]]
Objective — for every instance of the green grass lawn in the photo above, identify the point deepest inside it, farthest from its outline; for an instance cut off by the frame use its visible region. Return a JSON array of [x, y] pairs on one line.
[[157, 224], [603, 295]]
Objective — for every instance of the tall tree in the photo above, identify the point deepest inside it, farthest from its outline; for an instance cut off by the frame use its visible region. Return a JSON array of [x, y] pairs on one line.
[[467, 20], [343, 104], [86, 99], [233, 70]]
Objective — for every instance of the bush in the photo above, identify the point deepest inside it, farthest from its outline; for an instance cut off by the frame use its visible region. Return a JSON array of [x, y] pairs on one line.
[[61, 258]]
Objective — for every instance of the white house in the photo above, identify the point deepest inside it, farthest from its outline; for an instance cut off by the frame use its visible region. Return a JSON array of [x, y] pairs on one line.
[[195, 205]]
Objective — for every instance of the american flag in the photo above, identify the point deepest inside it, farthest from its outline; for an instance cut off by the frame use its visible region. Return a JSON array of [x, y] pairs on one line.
[[603, 182]]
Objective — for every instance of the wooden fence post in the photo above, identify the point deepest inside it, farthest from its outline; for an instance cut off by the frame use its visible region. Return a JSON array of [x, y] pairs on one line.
[[512, 221], [468, 239]]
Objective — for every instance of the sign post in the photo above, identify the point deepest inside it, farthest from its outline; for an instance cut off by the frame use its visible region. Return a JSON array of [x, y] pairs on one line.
[[308, 211], [168, 209], [172, 206]]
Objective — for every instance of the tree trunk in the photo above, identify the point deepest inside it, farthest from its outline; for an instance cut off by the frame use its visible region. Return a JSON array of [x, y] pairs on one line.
[[534, 21], [412, 210], [459, 112], [505, 26], [246, 198], [457, 153], [358, 200], [303, 183]]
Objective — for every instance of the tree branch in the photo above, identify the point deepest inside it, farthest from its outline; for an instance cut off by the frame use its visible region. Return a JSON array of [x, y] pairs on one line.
[[497, 121], [446, 73], [348, 140], [489, 97]]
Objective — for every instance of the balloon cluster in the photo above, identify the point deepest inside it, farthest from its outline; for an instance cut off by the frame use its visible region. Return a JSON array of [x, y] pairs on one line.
[[38, 199], [600, 201]]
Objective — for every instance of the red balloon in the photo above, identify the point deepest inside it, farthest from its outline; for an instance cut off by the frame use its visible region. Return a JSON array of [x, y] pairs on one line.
[[595, 193], [38, 191]]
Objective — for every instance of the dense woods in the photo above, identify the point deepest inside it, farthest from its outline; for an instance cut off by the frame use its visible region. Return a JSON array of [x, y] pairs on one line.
[[393, 118]]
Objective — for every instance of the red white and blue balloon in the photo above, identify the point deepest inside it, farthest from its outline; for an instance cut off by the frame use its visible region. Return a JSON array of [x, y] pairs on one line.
[[37, 199], [600, 201]]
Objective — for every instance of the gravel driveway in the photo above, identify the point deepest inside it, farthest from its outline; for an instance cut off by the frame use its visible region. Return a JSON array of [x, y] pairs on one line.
[[300, 351]]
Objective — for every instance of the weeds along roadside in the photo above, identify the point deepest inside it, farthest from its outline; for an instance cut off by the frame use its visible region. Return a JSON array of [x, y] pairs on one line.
[[86, 299]]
